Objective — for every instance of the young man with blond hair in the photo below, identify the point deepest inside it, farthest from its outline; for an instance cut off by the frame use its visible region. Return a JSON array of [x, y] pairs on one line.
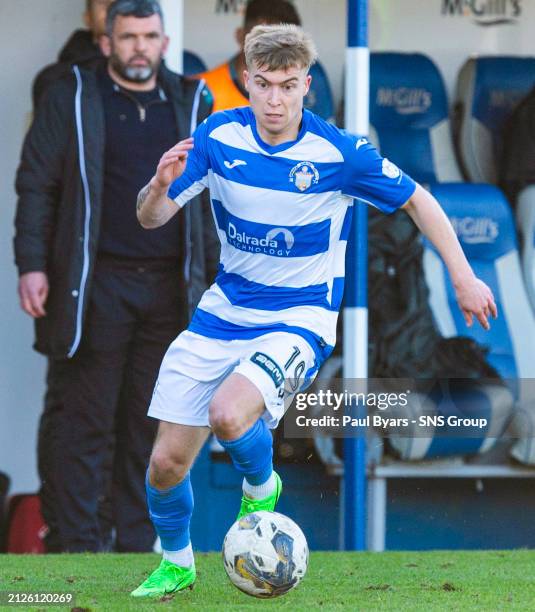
[[282, 182]]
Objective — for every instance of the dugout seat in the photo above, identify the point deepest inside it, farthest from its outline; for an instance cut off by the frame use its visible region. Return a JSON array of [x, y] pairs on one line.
[[483, 221], [488, 89], [526, 225], [409, 120], [192, 64], [409, 115]]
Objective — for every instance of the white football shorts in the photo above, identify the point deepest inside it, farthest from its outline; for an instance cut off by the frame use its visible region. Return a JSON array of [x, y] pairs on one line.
[[279, 364]]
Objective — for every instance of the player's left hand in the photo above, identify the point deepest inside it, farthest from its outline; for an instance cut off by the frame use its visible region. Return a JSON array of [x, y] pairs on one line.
[[476, 299]]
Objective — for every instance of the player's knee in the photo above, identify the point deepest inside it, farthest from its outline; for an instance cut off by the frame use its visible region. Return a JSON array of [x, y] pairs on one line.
[[165, 470], [225, 420]]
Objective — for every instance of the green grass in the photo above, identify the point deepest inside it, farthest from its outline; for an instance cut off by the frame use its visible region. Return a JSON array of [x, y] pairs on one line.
[[494, 580]]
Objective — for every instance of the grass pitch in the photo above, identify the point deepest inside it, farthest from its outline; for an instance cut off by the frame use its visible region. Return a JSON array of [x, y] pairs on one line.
[[494, 580]]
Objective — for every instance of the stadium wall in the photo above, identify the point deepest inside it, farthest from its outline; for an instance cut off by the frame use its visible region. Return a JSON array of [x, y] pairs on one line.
[[31, 32]]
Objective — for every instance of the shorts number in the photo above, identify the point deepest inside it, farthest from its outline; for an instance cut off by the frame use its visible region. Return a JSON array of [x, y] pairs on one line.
[[293, 381], [293, 357]]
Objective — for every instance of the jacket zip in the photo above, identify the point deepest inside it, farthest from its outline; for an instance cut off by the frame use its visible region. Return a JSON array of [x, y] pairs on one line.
[[187, 217], [87, 219], [142, 110]]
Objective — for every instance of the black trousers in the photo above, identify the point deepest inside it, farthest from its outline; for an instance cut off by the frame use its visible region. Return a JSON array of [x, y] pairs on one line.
[[95, 437]]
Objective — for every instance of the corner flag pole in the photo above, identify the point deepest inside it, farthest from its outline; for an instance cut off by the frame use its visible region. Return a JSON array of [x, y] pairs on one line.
[[357, 86]]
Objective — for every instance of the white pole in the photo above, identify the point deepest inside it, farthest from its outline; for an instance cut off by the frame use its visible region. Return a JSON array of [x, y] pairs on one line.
[[357, 121], [356, 303], [173, 14]]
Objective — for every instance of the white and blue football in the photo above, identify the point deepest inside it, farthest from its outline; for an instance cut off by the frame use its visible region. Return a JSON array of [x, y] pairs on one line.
[[265, 554]]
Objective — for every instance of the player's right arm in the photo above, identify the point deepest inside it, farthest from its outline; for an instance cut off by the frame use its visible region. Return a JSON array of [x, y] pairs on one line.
[[154, 207]]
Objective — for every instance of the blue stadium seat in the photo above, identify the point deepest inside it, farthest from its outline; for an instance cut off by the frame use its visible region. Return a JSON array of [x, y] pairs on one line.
[[409, 116], [482, 219], [320, 98], [484, 225], [526, 226], [192, 64], [488, 88]]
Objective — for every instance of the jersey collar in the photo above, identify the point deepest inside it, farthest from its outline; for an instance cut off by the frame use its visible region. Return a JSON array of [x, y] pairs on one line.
[[272, 149]]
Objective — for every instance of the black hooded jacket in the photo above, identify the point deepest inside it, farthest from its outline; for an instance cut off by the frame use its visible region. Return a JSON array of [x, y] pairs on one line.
[[59, 184], [80, 50]]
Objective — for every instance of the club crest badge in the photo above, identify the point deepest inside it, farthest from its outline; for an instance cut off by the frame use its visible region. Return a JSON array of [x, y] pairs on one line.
[[390, 170], [303, 175]]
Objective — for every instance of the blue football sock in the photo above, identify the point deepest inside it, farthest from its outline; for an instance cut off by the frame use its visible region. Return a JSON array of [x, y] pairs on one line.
[[252, 453], [170, 511]]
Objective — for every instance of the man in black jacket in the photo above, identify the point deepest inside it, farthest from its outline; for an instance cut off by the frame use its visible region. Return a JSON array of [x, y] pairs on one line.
[[82, 49], [106, 296]]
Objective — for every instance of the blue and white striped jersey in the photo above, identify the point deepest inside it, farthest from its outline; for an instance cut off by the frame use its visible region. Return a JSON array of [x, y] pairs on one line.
[[283, 215]]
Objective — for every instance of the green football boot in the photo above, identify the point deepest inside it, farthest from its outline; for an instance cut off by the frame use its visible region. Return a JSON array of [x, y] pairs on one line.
[[166, 579], [267, 503]]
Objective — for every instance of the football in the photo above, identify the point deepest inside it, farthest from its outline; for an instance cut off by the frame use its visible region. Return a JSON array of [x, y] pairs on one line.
[[265, 554]]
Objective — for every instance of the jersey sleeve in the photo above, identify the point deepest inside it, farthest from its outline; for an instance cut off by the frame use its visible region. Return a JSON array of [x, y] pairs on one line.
[[195, 177], [374, 179]]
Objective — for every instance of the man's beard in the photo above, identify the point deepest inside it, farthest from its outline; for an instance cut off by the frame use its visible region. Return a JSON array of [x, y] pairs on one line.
[[134, 74]]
